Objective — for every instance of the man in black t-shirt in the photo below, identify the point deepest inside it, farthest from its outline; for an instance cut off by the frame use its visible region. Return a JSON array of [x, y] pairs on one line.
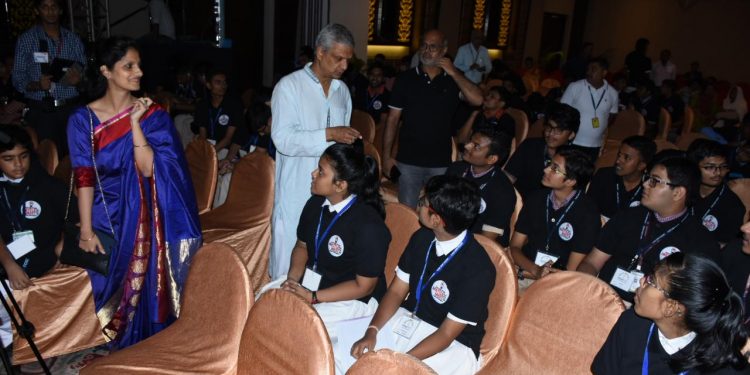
[[526, 167], [483, 155], [220, 115], [619, 187], [375, 99], [558, 225], [492, 114], [735, 261], [637, 238], [718, 208]]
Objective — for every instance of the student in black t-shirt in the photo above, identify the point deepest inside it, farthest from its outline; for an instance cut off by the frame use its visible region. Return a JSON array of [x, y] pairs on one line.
[[686, 320], [718, 207], [483, 155], [220, 115], [374, 100], [455, 276], [619, 187], [492, 115], [558, 225], [735, 261], [342, 240], [526, 167], [637, 238]]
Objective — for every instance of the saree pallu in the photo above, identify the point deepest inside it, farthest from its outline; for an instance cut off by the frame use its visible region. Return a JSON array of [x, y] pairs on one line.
[[154, 220]]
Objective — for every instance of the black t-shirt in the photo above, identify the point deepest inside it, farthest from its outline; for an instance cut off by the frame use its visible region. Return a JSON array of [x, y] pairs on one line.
[[609, 193], [527, 165], [621, 238], [461, 289], [217, 120], [427, 107], [357, 244], [44, 200], [736, 266], [726, 216], [576, 232], [675, 106], [649, 108], [498, 199], [504, 123], [624, 349], [376, 105]]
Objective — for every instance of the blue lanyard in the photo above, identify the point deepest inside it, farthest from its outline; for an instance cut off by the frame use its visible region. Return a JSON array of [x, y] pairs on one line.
[[214, 120], [595, 104], [643, 250], [318, 238], [15, 221], [716, 200], [422, 285], [644, 366], [631, 198], [552, 228]]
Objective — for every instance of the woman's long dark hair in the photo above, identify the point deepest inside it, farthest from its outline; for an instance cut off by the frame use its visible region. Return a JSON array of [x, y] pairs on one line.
[[108, 52], [712, 310], [360, 171]]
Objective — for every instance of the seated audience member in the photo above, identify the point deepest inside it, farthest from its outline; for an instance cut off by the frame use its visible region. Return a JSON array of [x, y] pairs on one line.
[[632, 242], [11, 104], [33, 206], [557, 225], [375, 99], [220, 115], [342, 241], [686, 320], [740, 164], [671, 100], [436, 306], [648, 106], [483, 155], [526, 167], [619, 187], [735, 261], [718, 207], [492, 115], [734, 106]]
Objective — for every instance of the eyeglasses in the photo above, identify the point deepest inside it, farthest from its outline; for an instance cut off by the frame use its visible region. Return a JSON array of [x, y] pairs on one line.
[[713, 168], [650, 280], [432, 47], [554, 130], [652, 181], [554, 167]]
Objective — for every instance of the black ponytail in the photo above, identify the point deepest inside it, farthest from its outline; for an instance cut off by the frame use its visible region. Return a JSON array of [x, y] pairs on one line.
[[712, 310], [360, 171]]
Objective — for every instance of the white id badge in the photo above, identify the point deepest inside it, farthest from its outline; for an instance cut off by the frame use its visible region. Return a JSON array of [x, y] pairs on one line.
[[29, 233], [542, 258], [21, 246], [406, 326], [636, 277], [311, 280], [622, 279], [41, 57]]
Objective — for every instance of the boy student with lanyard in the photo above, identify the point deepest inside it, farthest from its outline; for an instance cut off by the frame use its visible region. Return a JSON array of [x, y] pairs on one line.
[[619, 187], [718, 207], [483, 155], [375, 99], [557, 225], [436, 306], [33, 207], [342, 241], [492, 115], [526, 167], [734, 259], [221, 115], [632, 242]]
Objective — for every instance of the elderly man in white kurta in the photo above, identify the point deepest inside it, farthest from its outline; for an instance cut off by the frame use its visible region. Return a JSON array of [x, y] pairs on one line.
[[311, 109]]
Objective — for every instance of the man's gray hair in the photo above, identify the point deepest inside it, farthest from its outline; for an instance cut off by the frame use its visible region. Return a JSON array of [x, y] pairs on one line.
[[334, 33]]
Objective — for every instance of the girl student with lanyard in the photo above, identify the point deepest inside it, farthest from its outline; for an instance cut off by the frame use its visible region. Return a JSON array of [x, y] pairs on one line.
[[686, 320], [436, 306], [342, 241]]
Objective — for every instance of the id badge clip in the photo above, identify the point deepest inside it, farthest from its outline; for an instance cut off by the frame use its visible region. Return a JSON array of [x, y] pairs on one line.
[[26, 233], [311, 280], [595, 122], [406, 326]]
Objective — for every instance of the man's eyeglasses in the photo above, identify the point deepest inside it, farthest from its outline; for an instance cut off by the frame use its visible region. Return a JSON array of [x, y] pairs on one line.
[[432, 47], [650, 280], [554, 130], [652, 181], [713, 168], [555, 168]]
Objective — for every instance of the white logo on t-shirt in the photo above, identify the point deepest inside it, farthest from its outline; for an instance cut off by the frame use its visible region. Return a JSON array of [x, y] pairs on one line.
[[710, 222], [440, 292], [223, 120], [336, 246], [31, 210], [565, 231], [667, 251]]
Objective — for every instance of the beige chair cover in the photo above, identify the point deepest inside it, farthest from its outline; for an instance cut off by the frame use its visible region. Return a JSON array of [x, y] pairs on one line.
[[284, 335], [206, 338], [558, 326], [47, 152], [363, 122], [389, 191], [63, 170], [663, 144], [244, 220], [688, 120], [665, 123], [627, 123], [516, 212], [522, 124], [741, 187], [60, 304], [608, 154], [502, 300], [685, 139], [33, 135], [386, 361], [536, 129], [204, 171], [402, 222]]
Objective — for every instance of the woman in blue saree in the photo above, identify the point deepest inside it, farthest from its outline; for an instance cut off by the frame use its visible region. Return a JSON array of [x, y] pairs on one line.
[[133, 182]]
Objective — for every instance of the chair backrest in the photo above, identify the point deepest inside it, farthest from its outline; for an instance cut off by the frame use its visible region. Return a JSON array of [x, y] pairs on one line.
[[608, 154], [47, 152], [402, 222], [558, 326], [204, 171], [627, 123], [372, 151], [33, 135], [685, 139], [284, 335], [454, 149], [63, 170], [536, 129], [386, 361], [365, 125], [522, 123], [688, 120], [502, 299], [741, 187], [665, 123], [516, 212], [663, 144]]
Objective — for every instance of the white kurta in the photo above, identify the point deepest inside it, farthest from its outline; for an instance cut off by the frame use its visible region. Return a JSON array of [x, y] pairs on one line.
[[301, 112]]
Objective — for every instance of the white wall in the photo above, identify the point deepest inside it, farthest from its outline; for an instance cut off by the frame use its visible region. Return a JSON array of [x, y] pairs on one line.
[[536, 16], [353, 15]]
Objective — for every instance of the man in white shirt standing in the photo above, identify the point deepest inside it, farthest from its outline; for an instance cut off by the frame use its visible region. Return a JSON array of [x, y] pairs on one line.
[[597, 103], [473, 58], [663, 69], [311, 109]]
